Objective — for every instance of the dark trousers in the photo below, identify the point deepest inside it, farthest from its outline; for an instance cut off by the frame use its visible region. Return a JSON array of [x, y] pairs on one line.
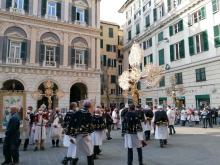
[[90, 160], [209, 121], [108, 133], [204, 121], [55, 142], [11, 152], [214, 120], [26, 142], [96, 150], [163, 142], [130, 156], [172, 129], [183, 122], [147, 135]]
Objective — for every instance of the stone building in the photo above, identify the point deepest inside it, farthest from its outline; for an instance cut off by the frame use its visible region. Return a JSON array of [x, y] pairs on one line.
[[111, 63], [56, 40], [184, 38]]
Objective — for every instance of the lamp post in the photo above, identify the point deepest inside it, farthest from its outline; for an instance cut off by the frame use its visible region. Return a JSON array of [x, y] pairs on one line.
[[48, 93], [150, 75]]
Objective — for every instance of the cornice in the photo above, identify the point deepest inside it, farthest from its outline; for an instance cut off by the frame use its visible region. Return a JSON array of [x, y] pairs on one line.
[[48, 71], [41, 22], [158, 25]]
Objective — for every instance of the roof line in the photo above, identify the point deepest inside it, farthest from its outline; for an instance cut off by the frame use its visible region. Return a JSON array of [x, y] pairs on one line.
[[125, 5]]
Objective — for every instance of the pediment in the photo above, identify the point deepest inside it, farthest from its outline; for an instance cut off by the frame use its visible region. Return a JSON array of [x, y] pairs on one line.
[[80, 45], [80, 3], [50, 40], [15, 35]]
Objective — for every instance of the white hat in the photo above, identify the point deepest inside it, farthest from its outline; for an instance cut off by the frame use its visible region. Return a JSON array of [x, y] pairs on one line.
[[126, 105]]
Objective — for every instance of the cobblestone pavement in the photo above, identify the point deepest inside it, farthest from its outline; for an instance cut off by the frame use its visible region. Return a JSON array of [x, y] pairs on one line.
[[190, 146]]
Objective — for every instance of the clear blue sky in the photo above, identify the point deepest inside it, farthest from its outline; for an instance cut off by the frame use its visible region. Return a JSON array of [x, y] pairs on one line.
[[109, 11]]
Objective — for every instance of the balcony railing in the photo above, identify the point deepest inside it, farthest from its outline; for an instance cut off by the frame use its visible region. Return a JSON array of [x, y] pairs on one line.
[[14, 60], [16, 10], [51, 17], [50, 63], [80, 66], [80, 23]]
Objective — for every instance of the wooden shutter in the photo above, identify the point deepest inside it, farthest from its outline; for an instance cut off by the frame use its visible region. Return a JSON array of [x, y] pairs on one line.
[[144, 45], [150, 42], [87, 16], [171, 53], [155, 14], [42, 54], [43, 7], [169, 5], [202, 13], [26, 6], [8, 4], [145, 61], [182, 49], [161, 57], [73, 14], [115, 63], [206, 41], [191, 46], [73, 56], [57, 55], [86, 57], [180, 24], [24, 51], [58, 10], [217, 36], [147, 21], [171, 30], [151, 58]]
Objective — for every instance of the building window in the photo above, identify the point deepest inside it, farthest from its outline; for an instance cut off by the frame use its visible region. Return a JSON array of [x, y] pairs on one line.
[[18, 4], [101, 43], [160, 37], [104, 60], [139, 85], [51, 8], [80, 15], [137, 29], [198, 43], [178, 27], [161, 10], [129, 35], [179, 78], [148, 59], [119, 69], [113, 79], [200, 75], [50, 55], [111, 32], [155, 14], [162, 82], [217, 35], [110, 48], [215, 6], [147, 21], [169, 5], [161, 57], [113, 91], [147, 6], [101, 29], [177, 51], [197, 16], [14, 53]]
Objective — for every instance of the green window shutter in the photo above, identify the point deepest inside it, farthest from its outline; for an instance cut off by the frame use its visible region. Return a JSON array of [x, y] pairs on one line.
[[151, 58], [145, 61], [202, 13], [87, 16], [217, 36], [147, 21], [26, 6], [206, 40], [73, 13], [182, 49], [171, 52], [58, 10], [171, 30], [191, 46], [160, 36], [180, 23], [150, 42], [43, 7], [24, 51], [161, 57], [155, 14], [8, 4], [215, 5], [169, 5]]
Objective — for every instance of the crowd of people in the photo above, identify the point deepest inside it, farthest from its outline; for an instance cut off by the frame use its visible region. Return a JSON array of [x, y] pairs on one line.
[[82, 129]]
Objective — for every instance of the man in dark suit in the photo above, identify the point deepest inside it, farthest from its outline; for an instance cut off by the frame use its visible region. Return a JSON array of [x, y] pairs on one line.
[[12, 136]]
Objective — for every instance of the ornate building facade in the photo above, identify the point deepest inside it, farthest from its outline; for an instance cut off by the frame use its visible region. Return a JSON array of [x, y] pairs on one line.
[[183, 37], [56, 40]]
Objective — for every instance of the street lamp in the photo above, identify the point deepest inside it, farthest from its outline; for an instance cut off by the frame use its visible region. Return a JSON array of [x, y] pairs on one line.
[[151, 74], [48, 93]]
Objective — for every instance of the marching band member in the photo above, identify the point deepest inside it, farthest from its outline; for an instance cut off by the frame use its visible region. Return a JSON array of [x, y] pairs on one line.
[[56, 127], [41, 119], [147, 124], [133, 135], [99, 128], [70, 134], [161, 122]]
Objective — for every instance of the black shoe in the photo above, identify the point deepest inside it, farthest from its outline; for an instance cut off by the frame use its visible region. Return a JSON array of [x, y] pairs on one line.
[[35, 149], [95, 157], [109, 138], [6, 163]]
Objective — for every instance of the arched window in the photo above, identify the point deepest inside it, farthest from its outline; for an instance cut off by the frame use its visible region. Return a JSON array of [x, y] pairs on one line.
[[49, 50], [80, 58], [15, 45], [13, 85]]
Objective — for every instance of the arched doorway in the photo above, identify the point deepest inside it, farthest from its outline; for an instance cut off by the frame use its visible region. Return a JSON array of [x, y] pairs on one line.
[[78, 92], [12, 85], [44, 99]]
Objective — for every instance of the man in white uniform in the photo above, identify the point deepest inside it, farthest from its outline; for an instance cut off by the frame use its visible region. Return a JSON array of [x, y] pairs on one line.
[[171, 114]]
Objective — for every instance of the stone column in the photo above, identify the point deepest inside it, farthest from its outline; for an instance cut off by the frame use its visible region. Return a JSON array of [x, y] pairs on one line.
[[66, 10], [98, 14], [33, 45], [30, 101], [93, 13], [98, 60], [64, 101], [35, 7], [65, 49], [93, 53]]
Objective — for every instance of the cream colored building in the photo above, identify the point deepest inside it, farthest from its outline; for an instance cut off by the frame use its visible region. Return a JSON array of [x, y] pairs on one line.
[[111, 63], [57, 40], [182, 36]]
